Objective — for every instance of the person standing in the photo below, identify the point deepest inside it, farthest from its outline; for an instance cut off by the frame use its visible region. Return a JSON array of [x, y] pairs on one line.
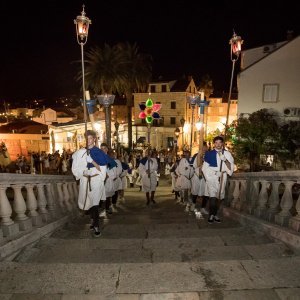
[[198, 181], [185, 173], [218, 163], [148, 169], [89, 166]]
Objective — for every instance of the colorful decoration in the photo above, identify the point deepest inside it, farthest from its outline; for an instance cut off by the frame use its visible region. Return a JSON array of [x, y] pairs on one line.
[[149, 111]]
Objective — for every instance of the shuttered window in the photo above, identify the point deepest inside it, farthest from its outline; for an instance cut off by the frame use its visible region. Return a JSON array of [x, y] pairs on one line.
[[270, 92]]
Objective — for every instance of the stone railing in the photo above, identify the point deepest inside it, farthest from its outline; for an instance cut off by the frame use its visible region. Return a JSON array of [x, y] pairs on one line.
[[272, 196], [29, 201]]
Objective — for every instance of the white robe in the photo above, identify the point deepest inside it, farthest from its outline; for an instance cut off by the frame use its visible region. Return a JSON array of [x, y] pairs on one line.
[[212, 180], [149, 183], [87, 198], [197, 181], [118, 182], [123, 177], [185, 173], [110, 187]]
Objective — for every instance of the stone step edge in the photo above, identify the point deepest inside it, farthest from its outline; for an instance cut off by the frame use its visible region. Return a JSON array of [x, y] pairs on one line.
[[14, 246], [285, 235]]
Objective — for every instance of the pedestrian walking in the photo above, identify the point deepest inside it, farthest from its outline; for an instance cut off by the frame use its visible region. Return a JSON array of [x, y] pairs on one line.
[[218, 163], [89, 166]]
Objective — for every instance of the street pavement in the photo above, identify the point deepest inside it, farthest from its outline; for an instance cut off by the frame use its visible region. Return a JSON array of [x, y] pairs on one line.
[[149, 253]]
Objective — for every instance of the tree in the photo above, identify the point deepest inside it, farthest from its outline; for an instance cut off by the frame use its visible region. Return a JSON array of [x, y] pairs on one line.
[[137, 74], [206, 85], [288, 143], [254, 136], [118, 69]]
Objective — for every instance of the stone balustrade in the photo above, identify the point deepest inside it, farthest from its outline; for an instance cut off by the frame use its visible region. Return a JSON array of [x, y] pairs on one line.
[[29, 201], [272, 196]]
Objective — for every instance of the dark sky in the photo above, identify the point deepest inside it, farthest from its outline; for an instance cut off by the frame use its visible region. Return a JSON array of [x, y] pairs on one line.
[[184, 37]]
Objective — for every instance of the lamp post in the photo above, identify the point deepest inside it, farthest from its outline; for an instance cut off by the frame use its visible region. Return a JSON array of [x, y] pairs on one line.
[[117, 125], [107, 100], [177, 133], [192, 101], [182, 121], [235, 50], [82, 30], [201, 103]]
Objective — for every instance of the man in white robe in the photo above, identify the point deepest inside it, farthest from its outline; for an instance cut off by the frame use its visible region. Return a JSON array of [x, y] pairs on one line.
[[218, 163], [90, 168], [185, 172], [148, 169]]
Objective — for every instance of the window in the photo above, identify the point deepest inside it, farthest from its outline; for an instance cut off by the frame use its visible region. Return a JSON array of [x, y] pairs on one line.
[[152, 88], [163, 88], [173, 104], [173, 120], [270, 92]]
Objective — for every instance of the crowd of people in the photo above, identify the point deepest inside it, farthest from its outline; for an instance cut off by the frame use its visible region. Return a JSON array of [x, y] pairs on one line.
[[103, 177]]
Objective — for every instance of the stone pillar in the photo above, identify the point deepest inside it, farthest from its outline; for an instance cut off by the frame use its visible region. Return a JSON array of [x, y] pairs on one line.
[[42, 202], [60, 196], [236, 193], [8, 226], [50, 200], [66, 195], [261, 209], [273, 202], [254, 196], [286, 204], [32, 206], [295, 221], [19, 207]]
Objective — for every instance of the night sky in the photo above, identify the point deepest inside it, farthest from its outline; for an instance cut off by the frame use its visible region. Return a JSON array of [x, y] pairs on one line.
[[39, 48]]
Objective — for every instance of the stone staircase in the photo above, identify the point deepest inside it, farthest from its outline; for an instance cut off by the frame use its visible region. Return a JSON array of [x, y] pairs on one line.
[[160, 252]]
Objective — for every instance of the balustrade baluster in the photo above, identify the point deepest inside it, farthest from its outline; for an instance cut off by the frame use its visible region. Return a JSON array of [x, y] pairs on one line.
[[236, 193], [254, 192], [286, 203], [295, 221], [31, 203], [19, 207], [261, 208], [61, 196], [273, 201], [50, 200], [66, 195], [242, 196], [9, 228], [42, 202]]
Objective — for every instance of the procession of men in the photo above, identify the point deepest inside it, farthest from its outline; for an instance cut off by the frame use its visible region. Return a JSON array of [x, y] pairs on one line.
[[198, 181]]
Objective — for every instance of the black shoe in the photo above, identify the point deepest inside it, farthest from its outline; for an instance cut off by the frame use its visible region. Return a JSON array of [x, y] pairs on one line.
[[97, 232], [211, 219], [153, 201], [217, 219], [148, 202]]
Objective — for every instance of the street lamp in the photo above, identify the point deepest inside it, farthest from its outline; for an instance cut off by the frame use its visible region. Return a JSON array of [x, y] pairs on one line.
[[182, 121], [177, 133], [235, 50], [82, 30], [192, 101], [107, 100], [201, 103], [117, 125]]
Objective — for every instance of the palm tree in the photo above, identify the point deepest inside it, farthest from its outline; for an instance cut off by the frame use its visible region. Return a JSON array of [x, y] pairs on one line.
[[103, 74], [118, 69], [136, 76]]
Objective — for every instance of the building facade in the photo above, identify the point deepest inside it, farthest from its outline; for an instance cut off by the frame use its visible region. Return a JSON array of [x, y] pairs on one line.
[[272, 82]]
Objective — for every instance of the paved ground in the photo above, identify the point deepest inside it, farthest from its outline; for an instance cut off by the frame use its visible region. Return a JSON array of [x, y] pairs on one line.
[[159, 252]]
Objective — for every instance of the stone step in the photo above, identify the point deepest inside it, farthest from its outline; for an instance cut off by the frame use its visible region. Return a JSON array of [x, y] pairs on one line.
[[138, 278], [142, 251]]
